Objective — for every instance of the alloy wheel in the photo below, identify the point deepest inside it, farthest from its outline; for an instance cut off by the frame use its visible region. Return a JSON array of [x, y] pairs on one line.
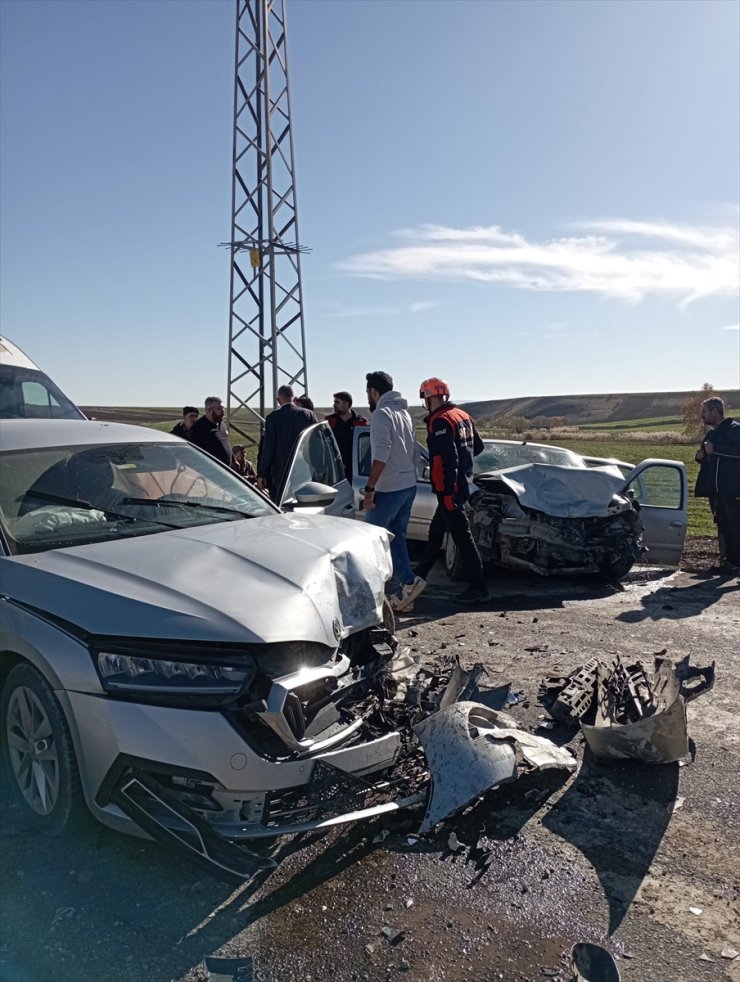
[[32, 751]]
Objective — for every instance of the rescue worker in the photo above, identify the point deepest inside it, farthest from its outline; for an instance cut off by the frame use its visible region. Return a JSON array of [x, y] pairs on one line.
[[453, 441]]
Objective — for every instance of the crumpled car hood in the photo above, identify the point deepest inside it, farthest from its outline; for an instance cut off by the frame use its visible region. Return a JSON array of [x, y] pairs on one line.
[[283, 577], [563, 492]]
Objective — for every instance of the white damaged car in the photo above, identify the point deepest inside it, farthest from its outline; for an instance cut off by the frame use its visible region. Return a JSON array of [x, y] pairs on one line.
[[176, 652]]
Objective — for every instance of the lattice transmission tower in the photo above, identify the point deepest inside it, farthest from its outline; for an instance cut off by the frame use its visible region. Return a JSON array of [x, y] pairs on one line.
[[266, 331]]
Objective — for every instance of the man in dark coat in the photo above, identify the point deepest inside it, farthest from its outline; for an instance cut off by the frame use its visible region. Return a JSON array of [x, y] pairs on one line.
[[183, 428], [209, 432], [282, 428], [719, 479]]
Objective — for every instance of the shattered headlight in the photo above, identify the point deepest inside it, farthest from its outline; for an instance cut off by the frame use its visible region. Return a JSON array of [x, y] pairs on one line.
[[174, 682]]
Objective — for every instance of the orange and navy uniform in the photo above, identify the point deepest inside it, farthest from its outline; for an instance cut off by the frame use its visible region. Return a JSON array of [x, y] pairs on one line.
[[453, 441]]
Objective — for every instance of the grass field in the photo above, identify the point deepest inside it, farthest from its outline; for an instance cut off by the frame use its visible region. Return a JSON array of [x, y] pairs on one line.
[[674, 423]]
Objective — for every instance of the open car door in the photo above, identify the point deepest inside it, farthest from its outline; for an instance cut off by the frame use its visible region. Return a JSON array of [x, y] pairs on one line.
[[661, 490], [316, 483]]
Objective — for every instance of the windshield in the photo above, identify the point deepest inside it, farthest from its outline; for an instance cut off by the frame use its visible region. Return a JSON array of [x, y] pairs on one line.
[[64, 496], [497, 456]]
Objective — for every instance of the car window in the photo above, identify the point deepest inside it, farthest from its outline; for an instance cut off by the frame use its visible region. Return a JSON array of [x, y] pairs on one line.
[[316, 459], [363, 453], [64, 496], [659, 485], [29, 394]]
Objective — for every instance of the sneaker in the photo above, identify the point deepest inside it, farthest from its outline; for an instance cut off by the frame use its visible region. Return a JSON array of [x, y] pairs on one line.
[[472, 595], [409, 593]]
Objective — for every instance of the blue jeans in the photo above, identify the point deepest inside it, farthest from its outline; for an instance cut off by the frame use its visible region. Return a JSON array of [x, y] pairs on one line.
[[392, 511]]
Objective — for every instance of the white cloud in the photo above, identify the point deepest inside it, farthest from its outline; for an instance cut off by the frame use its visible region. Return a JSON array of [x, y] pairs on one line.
[[627, 260], [732, 327], [337, 310]]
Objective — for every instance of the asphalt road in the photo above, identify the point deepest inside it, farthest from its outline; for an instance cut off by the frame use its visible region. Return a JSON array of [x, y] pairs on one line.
[[617, 853]]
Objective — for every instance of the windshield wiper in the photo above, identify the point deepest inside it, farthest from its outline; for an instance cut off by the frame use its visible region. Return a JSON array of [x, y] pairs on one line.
[[59, 499], [185, 504]]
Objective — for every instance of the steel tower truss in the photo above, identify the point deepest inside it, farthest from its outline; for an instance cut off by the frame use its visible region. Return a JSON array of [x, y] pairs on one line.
[[266, 330]]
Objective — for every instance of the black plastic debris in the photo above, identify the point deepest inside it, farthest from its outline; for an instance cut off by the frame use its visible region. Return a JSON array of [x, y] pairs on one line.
[[592, 963], [393, 935]]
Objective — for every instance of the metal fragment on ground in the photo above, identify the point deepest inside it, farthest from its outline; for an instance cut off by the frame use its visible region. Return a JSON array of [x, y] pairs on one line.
[[471, 749], [393, 934]]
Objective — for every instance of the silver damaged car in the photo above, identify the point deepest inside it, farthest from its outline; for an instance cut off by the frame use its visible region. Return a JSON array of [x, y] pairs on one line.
[[179, 655]]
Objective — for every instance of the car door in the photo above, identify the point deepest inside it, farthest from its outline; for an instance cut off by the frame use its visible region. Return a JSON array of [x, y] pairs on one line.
[[425, 501], [661, 489], [316, 460]]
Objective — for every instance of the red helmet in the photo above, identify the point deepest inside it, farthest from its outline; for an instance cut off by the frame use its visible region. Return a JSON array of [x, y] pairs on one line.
[[434, 387]]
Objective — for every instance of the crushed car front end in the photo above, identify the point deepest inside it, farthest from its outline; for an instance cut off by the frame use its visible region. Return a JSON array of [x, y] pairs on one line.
[[547, 519]]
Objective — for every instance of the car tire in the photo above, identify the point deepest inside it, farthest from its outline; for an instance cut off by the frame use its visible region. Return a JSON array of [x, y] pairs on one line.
[[37, 752], [618, 568], [453, 560]]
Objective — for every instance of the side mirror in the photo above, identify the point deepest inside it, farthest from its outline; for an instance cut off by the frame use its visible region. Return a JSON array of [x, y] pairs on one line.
[[314, 493]]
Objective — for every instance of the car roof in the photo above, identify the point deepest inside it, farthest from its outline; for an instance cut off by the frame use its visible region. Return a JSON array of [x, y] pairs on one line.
[[34, 434], [11, 354], [528, 443]]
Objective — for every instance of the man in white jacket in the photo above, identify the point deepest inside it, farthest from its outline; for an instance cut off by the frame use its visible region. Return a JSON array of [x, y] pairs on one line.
[[391, 487]]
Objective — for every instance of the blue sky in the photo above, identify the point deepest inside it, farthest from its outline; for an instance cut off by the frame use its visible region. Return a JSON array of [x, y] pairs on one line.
[[526, 198]]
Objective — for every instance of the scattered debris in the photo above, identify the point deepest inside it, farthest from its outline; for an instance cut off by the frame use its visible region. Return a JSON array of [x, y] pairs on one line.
[[704, 957], [454, 844], [228, 969], [471, 749], [392, 934], [63, 914], [678, 803], [696, 910], [592, 963], [623, 712], [409, 903], [729, 953], [381, 836]]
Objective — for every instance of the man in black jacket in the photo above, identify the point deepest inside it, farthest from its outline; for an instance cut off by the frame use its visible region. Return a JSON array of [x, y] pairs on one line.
[[719, 478], [209, 432], [183, 428], [343, 421], [282, 428]]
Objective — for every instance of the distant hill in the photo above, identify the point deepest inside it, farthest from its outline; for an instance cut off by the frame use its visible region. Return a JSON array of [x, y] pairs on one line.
[[584, 409], [580, 410]]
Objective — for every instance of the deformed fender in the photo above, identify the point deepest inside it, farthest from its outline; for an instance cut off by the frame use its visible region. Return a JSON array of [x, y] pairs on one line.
[[471, 749]]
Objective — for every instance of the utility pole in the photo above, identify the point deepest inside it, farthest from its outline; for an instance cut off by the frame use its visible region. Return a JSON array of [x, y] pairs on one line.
[[267, 346]]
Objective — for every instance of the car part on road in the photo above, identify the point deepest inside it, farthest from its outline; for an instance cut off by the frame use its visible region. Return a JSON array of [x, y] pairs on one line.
[[626, 713], [471, 749]]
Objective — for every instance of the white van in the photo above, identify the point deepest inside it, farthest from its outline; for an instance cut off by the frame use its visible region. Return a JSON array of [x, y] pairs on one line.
[[26, 392]]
